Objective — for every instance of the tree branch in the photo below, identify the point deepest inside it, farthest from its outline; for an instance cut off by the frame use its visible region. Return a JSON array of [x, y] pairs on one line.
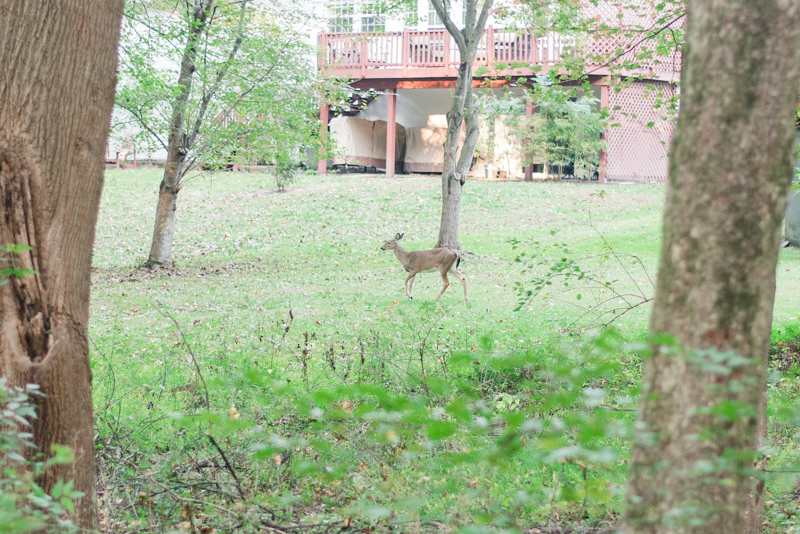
[[637, 43], [140, 119], [220, 77], [440, 8]]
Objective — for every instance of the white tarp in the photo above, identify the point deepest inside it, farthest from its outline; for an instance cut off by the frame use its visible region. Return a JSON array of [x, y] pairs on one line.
[[363, 142], [425, 147]]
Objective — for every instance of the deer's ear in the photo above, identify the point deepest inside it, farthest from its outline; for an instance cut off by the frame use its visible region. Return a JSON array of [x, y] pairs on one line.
[[399, 236]]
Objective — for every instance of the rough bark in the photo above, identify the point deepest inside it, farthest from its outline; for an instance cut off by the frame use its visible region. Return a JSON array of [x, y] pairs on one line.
[[730, 168], [164, 227], [58, 61], [455, 168]]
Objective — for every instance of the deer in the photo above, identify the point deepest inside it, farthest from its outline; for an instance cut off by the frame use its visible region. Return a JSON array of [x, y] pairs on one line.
[[421, 261]]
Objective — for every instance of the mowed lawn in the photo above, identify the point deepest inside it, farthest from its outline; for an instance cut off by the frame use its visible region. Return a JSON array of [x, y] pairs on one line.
[[280, 283], [245, 254]]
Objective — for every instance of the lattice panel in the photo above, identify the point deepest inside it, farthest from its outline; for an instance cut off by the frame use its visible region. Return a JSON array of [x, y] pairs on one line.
[[636, 151], [637, 18]]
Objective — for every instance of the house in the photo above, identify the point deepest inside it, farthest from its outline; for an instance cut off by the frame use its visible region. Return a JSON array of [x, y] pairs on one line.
[[412, 61]]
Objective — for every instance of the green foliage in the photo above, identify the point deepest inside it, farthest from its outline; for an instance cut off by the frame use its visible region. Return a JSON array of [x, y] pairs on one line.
[[630, 41], [254, 93], [11, 251], [565, 129], [286, 171], [326, 416], [24, 505], [553, 270]]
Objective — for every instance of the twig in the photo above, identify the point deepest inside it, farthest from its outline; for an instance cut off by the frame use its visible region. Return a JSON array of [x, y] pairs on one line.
[[227, 465], [637, 43], [616, 409], [165, 312], [188, 500]]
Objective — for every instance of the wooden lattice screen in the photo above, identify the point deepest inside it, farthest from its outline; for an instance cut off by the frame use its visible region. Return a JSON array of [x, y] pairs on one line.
[[637, 151]]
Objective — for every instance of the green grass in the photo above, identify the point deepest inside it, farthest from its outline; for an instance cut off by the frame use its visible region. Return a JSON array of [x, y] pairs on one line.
[[245, 256]]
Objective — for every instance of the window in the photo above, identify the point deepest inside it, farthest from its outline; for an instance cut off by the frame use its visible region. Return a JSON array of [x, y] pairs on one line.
[[435, 21], [372, 20], [342, 15], [433, 17]]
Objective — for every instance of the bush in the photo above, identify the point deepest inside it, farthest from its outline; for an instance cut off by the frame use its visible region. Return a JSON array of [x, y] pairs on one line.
[[24, 505], [285, 173]]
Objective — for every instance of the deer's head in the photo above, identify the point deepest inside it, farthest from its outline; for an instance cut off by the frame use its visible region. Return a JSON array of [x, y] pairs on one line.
[[392, 243]]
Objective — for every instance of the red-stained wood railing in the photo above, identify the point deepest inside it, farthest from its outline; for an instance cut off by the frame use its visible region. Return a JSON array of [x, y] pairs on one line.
[[434, 49]]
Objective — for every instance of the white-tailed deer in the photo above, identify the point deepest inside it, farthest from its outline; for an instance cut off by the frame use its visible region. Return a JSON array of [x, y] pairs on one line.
[[435, 259]]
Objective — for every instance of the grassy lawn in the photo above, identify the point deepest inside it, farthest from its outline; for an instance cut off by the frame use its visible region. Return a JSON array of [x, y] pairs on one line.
[[284, 296]]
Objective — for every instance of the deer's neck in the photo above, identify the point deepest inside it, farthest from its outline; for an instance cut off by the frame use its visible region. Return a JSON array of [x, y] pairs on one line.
[[401, 254]]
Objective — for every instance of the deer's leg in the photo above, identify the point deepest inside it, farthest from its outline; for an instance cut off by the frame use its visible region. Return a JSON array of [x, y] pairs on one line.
[[463, 283], [455, 271], [445, 283], [410, 284]]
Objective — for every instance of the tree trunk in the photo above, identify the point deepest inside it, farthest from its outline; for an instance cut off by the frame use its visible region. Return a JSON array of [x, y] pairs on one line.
[[164, 227], [58, 61], [454, 173], [164, 230], [730, 170]]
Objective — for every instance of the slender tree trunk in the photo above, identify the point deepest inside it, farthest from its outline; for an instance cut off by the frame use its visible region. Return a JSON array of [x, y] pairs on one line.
[[454, 172], [58, 61], [730, 169], [164, 227]]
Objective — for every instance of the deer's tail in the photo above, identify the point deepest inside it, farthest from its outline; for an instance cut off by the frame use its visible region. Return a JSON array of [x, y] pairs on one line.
[[458, 260]]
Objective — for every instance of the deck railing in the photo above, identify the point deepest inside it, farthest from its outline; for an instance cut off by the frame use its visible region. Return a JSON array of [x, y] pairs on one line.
[[411, 49]]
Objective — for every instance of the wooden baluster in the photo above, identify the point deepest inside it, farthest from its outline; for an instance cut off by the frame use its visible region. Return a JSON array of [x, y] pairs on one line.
[[405, 50], [363, 57]]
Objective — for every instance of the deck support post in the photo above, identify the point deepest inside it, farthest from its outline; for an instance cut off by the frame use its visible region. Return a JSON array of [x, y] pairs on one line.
[[391, 131], [322, 165], [529, 166], [603, 154]]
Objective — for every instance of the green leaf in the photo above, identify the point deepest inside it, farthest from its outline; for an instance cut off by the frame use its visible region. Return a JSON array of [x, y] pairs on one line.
[[62, 454], [441, 429], [58, 489], [66, 502]]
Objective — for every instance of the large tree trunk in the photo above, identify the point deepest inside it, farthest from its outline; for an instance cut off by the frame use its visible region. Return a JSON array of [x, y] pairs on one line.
[[730, 169], [58, 61], [454, 170], [164, 227]]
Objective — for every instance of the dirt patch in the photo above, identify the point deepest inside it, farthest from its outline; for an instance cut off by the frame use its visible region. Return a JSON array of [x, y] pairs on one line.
[[784, 355]]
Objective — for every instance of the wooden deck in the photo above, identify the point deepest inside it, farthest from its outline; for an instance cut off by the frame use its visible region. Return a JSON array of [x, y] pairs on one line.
[[400, 59], [434, 54], [430, 59]]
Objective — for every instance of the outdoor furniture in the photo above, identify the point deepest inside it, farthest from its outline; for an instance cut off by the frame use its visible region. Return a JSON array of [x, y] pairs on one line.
[[119, 161]]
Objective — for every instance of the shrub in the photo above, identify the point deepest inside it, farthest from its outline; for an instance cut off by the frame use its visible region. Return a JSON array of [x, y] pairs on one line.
[[24, 505]]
